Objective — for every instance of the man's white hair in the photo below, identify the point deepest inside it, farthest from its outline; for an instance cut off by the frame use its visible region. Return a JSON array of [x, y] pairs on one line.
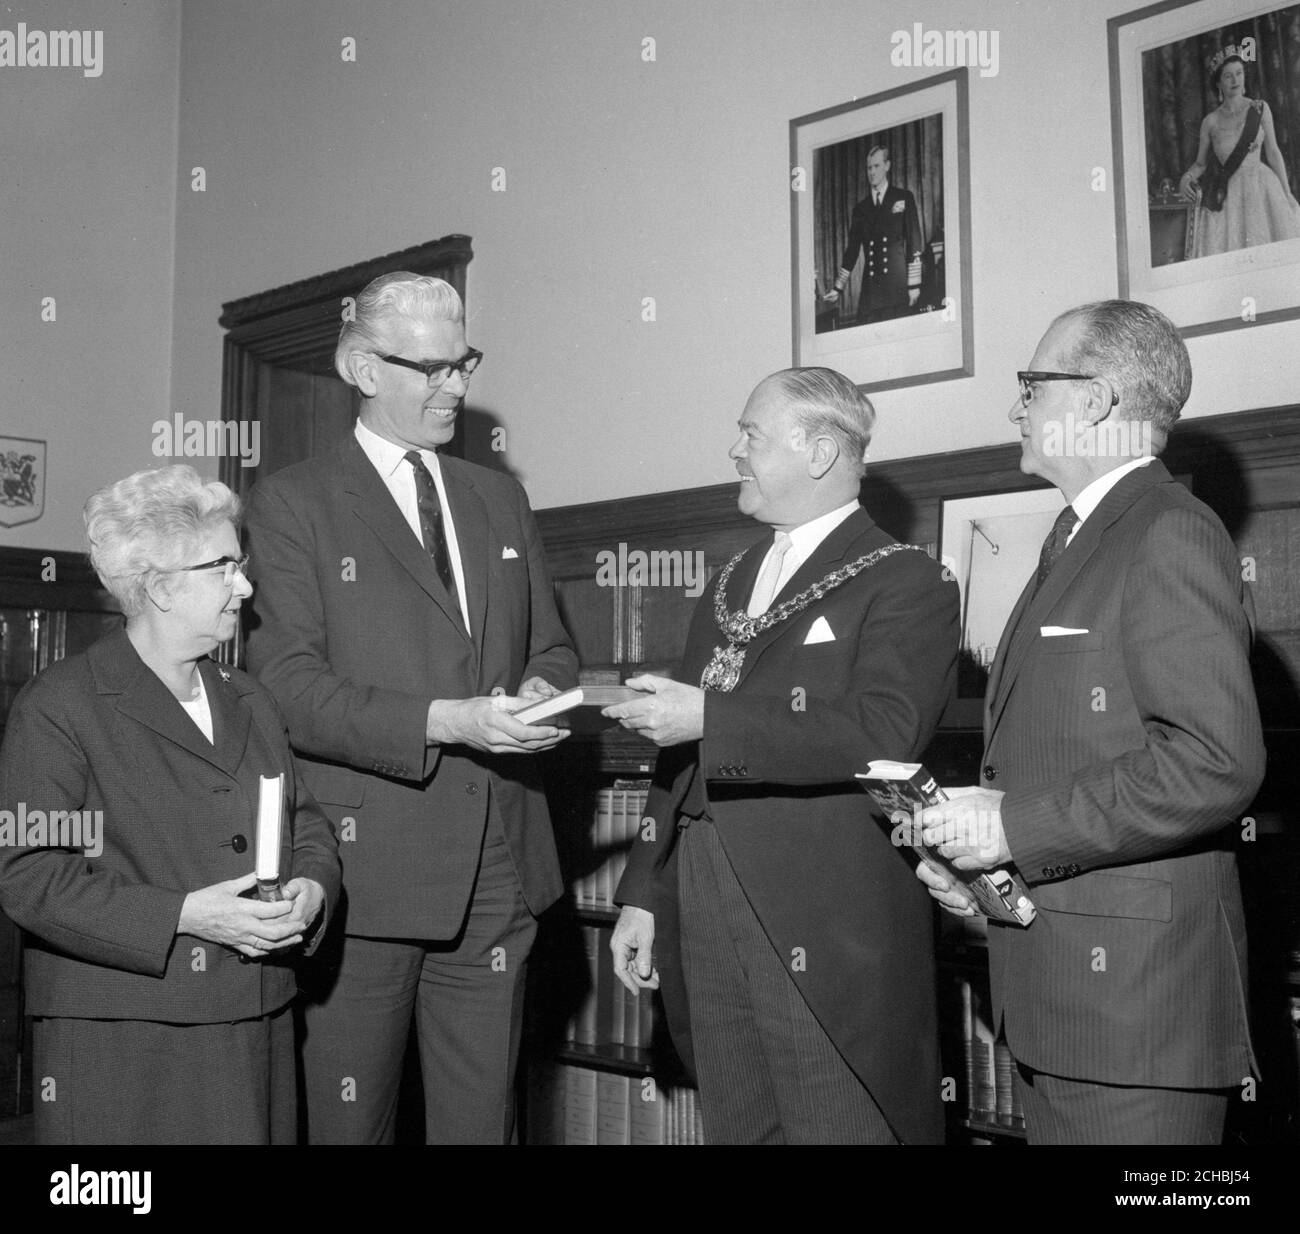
[[384, 303]]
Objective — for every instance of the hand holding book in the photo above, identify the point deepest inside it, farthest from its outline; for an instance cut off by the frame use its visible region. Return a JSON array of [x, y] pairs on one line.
[[959, 839], [967, 829]]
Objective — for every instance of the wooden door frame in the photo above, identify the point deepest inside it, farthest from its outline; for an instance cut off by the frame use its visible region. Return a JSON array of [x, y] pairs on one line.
[[297, 326]]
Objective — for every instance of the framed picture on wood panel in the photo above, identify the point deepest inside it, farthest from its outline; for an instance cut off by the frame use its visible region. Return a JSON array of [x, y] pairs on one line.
[[1205, 122], [991, 543], [880, 236]]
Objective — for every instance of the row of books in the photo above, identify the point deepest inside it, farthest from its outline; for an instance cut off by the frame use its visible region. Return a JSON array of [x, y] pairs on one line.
[[569, 1104], [610, 1014], [614, 829], [990, 1095]]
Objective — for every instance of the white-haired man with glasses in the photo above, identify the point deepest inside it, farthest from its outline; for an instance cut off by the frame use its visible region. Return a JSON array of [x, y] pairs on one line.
[[404, 610], [1121, 742]]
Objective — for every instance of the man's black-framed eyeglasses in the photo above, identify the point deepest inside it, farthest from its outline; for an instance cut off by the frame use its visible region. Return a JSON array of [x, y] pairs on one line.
[[440, 371], [228, 565], [1028, 380]]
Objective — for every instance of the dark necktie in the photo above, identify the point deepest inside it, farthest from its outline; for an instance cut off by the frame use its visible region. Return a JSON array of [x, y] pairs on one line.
[[1054, 545], [435, 538]]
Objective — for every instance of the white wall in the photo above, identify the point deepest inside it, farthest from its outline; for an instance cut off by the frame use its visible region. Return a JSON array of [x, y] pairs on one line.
[[624, 179], [87, 215]]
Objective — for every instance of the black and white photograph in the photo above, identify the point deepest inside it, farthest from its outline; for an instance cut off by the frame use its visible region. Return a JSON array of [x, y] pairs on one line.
[[1215, 134], [880, 227], [481, 486], [879, 200]]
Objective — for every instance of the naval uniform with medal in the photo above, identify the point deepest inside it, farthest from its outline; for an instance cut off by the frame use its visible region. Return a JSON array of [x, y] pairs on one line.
[[796, 960]]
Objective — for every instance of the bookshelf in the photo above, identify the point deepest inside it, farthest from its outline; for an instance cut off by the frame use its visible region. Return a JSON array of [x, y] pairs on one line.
[[601, 1067], [1245, 465]]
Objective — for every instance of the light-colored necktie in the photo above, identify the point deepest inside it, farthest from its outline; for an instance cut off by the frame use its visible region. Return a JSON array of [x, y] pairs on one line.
[[765, 588]]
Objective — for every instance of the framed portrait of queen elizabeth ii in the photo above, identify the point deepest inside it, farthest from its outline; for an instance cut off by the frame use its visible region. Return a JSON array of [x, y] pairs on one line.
[[1205, 121]]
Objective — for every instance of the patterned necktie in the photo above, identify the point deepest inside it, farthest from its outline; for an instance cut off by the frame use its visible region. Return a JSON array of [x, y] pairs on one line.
[[1054, 545], [765, 588], [435, 538]]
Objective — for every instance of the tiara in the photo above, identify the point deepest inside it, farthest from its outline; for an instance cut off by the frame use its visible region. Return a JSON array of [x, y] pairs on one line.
[[1224, 54]]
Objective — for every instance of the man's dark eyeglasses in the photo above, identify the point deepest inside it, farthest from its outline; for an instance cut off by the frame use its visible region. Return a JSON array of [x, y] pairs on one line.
[[228, 566], [1028, 380], [440, 371]]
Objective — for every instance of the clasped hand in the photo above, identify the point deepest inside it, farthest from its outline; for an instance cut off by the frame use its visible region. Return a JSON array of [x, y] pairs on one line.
[[222, 914]]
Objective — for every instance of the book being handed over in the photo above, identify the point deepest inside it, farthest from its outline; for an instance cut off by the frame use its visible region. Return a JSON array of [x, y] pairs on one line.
[[902, 790], [579, 696]]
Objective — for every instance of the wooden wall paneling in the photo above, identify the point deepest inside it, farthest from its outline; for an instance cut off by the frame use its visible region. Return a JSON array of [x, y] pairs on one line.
[[1245, 465]]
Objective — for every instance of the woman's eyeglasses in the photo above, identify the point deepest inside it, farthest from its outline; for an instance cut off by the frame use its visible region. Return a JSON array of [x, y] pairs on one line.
[[227, 565]]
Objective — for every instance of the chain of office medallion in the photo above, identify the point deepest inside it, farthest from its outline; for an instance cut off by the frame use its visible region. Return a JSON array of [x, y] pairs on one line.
[[739, 627]]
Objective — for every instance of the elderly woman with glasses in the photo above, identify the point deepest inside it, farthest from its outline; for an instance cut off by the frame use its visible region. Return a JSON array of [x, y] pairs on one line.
[[159, 981]]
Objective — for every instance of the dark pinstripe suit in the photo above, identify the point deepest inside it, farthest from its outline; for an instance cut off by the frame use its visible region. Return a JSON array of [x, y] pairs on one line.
[[1125, 753]]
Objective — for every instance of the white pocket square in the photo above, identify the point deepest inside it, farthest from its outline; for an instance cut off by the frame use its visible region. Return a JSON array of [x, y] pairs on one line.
[[819, 633], [1059, 631], [507, 553]]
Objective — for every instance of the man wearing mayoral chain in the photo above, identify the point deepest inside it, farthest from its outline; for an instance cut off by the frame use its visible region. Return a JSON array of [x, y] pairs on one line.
[[762, 891]]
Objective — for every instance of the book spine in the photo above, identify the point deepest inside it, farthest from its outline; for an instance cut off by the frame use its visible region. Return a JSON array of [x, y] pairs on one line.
[[631, 1017], [647, 1113], [604, 856], [580, 1106], [612, 1111], [1002, 1081], [585, 1030], [926, 787]]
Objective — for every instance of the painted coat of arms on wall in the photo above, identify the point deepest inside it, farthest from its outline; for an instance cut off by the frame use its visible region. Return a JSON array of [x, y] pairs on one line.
[[22, 480]]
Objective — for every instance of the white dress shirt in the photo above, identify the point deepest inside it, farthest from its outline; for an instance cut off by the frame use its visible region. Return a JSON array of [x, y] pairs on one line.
[[1088, 500], [200, 710], [804, 541], [389, 460]]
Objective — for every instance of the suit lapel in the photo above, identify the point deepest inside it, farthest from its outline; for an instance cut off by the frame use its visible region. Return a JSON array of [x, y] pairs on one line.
[[1021, 633], [144, 699], [230, 717], [373, 504]]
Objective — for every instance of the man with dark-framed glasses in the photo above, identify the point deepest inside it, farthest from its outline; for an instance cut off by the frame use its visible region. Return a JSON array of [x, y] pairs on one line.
[[1121, 742], [404, 610]]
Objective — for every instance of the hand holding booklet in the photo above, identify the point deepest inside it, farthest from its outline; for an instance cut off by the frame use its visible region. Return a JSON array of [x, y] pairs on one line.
[[579, 696], [902, 790]]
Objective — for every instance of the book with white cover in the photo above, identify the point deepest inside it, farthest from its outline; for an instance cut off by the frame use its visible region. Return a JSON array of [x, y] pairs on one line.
[[270, 829], [579, 696]]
